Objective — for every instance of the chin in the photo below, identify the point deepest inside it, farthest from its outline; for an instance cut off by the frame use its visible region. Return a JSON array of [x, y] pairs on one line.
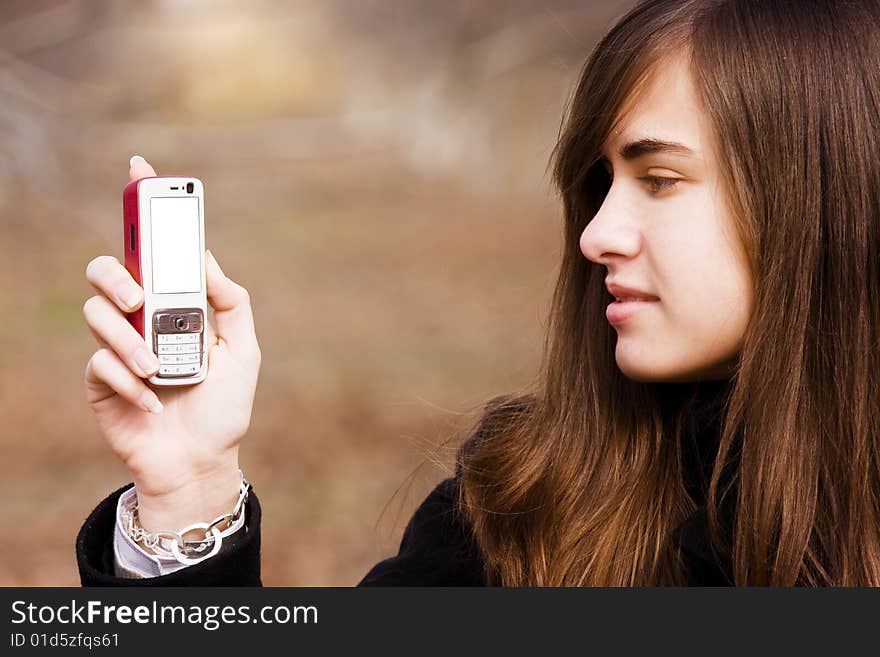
[[639, 370], [645, 371]]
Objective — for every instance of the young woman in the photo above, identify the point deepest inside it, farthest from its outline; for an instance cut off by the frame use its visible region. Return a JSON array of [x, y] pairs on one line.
[[717, 422]]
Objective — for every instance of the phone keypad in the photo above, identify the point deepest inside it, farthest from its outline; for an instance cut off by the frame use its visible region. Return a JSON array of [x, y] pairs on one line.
[[178, 349], [179, 352], [178, 338], [179, 369]]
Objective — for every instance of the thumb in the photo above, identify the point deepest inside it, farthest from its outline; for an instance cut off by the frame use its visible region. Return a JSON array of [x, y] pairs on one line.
[[139, 168], [232, 308]]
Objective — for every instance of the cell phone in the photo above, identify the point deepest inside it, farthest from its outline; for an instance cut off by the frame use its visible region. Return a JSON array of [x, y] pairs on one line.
[[164, 233]]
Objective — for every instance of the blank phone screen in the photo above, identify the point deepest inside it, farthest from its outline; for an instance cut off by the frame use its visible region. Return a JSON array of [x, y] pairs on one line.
[[174, 225]]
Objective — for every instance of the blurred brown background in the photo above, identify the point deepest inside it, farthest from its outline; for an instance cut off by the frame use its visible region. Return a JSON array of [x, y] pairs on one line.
[[375, 175]]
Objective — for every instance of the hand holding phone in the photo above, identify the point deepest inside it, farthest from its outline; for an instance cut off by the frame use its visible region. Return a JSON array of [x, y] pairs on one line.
[[183, 460]]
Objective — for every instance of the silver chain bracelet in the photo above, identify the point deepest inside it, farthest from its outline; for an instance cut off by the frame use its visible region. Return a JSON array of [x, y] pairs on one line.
[[171, 544]]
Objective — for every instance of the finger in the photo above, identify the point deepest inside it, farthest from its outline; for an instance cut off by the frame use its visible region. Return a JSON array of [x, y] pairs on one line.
[[108, 323], [139, 168], [107, 374], [232, 308], [210, 336], [101, 341], [111, 279]]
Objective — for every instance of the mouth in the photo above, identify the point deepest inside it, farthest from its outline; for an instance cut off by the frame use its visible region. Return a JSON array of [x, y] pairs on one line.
[[623, 309], [626, 293]]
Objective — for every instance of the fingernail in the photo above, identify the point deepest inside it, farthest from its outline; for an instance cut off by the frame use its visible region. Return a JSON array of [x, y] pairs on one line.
[[146, 360], [135, 159], [150, 402], [130, 297]]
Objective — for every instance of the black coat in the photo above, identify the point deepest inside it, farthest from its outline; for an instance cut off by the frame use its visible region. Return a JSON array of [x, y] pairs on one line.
[[437, 548]]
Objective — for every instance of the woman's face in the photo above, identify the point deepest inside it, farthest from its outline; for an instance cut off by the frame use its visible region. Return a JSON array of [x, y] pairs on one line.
[[672, 239]]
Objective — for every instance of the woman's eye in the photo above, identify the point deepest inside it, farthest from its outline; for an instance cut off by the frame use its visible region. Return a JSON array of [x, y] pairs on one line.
[[659, 184], [656, 184]]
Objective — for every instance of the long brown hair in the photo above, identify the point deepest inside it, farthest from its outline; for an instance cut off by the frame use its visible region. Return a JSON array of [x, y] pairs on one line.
[[579, 478]]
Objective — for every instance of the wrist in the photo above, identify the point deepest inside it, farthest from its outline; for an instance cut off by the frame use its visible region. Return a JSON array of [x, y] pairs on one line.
[[197, 499]]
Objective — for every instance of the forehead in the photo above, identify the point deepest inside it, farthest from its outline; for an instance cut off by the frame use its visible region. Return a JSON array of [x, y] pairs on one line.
[[665, 108]]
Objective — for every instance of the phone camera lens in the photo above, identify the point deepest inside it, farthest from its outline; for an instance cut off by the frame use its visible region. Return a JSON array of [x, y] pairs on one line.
[[189, 188]]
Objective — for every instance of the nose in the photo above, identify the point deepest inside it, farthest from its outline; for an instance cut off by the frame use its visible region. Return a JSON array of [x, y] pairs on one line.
[[610, 236]]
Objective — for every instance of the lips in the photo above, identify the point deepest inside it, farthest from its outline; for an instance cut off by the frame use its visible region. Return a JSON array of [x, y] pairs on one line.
[[628, 293], [619, 312]]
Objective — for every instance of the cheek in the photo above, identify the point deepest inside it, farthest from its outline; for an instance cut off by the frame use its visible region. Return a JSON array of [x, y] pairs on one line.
[[713, 319], [710, 287]]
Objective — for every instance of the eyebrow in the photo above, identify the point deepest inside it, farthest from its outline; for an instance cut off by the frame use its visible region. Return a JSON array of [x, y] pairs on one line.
[[633, 150]]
